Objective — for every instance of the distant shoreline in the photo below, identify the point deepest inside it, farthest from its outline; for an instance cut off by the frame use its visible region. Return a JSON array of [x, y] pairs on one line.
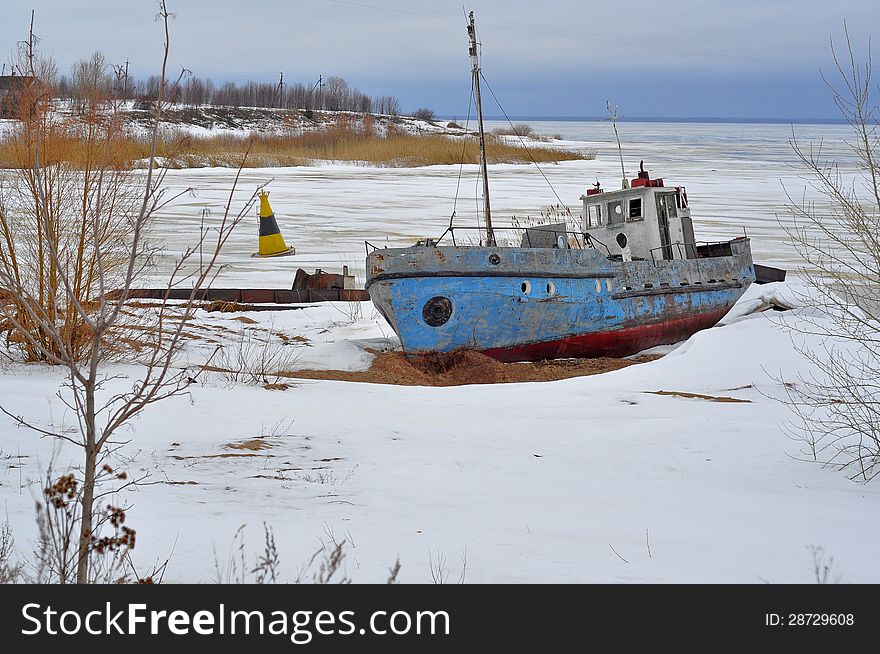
[[658, 119]]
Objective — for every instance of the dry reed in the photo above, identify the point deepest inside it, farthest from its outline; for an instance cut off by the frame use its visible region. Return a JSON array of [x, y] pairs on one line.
[[354, 141]]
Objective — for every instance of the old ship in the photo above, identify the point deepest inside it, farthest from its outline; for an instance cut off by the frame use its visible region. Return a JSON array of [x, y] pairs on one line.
[[630, 277]]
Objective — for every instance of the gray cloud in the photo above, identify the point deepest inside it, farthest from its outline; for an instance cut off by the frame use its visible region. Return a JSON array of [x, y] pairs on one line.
[[759, 58]]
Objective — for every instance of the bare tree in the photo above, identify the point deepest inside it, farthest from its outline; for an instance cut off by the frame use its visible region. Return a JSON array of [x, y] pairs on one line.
[[838, 406], [71, 319], [92, 79], [90, 82], [387, 104], [337, 95]]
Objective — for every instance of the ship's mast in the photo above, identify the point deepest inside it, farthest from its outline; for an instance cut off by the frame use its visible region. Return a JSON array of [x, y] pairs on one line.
[[472, 34]]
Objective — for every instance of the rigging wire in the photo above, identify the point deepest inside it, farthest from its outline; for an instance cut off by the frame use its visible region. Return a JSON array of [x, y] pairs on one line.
[[525, 147], [464, 141], [478, 186]]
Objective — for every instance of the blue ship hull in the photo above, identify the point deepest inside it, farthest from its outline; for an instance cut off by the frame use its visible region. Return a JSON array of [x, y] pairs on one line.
[[518, 304]]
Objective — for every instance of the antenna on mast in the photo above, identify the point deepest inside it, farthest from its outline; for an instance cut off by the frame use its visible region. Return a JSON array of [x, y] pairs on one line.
[[472, 35], [612, 116]]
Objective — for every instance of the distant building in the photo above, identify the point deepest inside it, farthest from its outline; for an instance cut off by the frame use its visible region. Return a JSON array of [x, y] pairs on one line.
[[11, 88]]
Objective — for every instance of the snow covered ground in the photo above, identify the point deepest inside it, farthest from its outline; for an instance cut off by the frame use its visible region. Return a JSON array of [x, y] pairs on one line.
[[592, 479]]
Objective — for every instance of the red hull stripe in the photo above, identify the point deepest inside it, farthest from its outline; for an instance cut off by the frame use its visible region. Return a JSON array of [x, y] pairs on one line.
[[613, 343]]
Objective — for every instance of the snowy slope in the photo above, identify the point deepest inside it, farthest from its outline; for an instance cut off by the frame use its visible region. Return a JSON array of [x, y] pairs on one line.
[[530, 482]]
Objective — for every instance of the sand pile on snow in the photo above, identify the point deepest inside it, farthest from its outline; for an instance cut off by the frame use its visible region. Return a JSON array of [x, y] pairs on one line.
[[465, 367]]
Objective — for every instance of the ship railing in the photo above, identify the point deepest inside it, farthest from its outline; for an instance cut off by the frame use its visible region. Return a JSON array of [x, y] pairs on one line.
[[476, 236], [574, 240], [695, 250], [670, 249]]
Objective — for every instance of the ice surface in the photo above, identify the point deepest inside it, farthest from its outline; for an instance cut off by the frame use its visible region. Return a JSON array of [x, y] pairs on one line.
[[736, 176]]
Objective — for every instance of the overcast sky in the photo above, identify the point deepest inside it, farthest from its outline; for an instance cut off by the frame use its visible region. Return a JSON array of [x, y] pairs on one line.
[[682, 58]]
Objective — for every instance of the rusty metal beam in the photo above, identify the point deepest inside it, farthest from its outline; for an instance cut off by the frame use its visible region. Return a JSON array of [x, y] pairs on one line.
[[251, 295]]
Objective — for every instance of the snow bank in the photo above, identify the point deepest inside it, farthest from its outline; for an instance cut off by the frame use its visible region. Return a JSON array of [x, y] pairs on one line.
[[529, 482]]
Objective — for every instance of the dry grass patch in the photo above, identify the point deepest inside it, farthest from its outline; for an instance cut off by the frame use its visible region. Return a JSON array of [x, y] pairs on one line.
[[225, 455], [466, 367], [253, 444], [276, 387], [226, 306], [699, 396]]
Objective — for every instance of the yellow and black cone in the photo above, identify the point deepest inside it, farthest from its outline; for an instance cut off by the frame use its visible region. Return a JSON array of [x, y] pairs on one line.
[[271, 242]]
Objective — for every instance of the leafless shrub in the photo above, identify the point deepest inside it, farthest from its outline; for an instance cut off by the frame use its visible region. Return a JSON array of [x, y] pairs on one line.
[[10, 571], [440, 571], [255, 357], [823, 568], [837, 409], [424, 114], [278, 429], [78, 341], [517, 129], [65, 226], [352, 309]]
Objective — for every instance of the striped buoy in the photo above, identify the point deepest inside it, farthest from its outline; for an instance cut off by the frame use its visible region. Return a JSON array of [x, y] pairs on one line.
[[271, 242]]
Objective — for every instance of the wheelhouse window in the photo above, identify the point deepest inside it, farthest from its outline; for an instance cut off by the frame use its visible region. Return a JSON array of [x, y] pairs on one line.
[[615, 213], [594, 215], [635, 209]]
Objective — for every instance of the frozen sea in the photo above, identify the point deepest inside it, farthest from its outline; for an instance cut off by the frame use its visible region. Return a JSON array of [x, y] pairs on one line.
[[737, 177]]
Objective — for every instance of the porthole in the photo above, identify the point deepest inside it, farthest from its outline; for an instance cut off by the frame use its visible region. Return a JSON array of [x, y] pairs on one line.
[[437, 311], [551, 288], [526, 287], [494, 259]]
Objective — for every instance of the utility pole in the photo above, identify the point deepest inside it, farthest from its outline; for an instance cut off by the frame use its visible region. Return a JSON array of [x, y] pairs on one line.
[[472, 34], [320, 86], [281, 91], [125, 83]]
